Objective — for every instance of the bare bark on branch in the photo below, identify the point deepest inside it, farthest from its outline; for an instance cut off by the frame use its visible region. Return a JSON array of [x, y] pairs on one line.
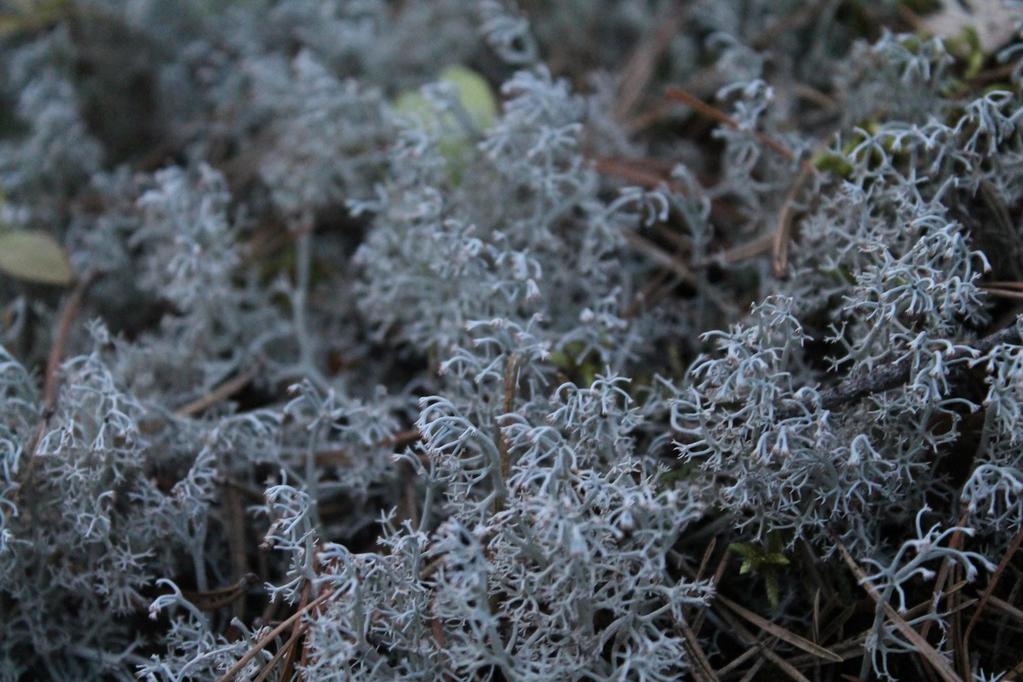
[[894, 375]]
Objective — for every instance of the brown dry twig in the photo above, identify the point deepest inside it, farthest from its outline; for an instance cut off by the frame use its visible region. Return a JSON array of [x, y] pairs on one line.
[[659, 256], [628, 170], [923, 647], [737, 629], [1015, 286], [702, 670], [779, 632], [67, 317], [639, 69], [701, 107], [985, 597], [740, 252], [221, 597], [781, 237], [851, 647], [1006, 608], [271, 636], [235, 513], [719, 572], [1003, 293], [783, 232], [795, 20], [739, 660], [221, 392], [51, 385], [745, 635], [327, 457], [956, 543], [894, 375], [291, 646]]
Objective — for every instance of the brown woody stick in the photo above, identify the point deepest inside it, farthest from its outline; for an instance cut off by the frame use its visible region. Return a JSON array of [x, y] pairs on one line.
[[923, 647], [51, 384], [895, 375], [271, 636]]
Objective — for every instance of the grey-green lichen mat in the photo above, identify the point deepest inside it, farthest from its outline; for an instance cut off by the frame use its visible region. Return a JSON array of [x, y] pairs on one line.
[[496, 340]]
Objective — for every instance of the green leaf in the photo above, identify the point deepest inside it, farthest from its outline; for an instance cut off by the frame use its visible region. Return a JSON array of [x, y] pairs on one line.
[[474, 96], [34, 256], [31, 16], [776, 558], [773, 590], [833, 163], [745, 549], [560, 360]]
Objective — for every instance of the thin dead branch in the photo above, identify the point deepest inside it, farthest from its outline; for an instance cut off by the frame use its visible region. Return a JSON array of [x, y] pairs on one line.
[[783, 232], [51, 386], [894, 375], [221, 392], [659, 256], [271, 636], [640, 67], [923, 647], [779, 632], [985, 597], [712, 112], [703, 668]]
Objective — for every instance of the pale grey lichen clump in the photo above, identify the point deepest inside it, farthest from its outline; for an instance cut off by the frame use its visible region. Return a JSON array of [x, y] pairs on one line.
[[363, 379]]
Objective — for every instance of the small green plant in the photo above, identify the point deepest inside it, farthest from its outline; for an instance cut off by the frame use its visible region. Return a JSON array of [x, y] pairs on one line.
[[765, 560]]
